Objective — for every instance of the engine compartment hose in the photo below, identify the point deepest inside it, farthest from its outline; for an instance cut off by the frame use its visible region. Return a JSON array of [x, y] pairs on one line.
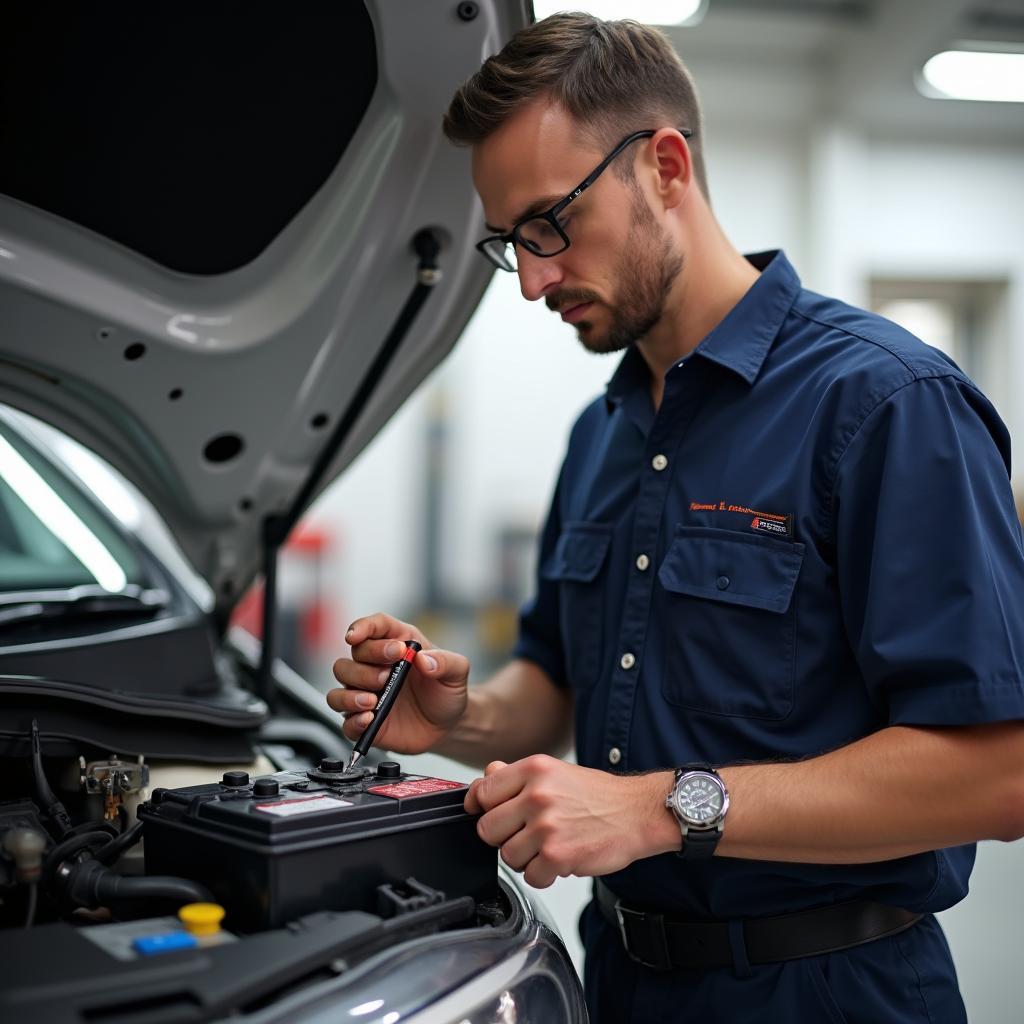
[[92, 884], [109, 853], [69, 847]]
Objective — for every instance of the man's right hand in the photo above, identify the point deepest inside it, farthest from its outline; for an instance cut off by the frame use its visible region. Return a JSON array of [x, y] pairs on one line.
[[431, 702]]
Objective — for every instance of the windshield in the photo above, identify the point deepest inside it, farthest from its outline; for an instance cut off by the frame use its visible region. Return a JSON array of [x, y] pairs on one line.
[[51, 535]]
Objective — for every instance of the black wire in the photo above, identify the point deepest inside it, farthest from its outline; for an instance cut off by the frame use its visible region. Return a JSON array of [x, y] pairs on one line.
[[93, 826], [52, 808], [33, 897], [109, 853], [45, 794]]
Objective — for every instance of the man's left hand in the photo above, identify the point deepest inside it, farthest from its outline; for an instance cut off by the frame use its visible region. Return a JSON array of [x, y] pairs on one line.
[[553, 819]]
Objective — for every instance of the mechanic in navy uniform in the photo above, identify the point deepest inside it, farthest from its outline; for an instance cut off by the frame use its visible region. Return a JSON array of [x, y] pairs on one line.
[[778, 588]]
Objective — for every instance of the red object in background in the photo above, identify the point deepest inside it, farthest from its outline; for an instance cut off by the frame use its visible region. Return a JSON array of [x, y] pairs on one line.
[[248, 613], [315, 613], [308, 540], [315, 621]]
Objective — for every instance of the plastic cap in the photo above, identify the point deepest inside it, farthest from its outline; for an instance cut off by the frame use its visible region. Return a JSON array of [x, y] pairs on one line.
[[168, 942], [202, 918]]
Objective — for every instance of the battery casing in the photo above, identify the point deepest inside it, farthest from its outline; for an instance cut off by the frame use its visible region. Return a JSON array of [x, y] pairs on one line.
[[316, 846]]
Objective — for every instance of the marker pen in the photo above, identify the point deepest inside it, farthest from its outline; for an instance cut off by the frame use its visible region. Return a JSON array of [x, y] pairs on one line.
[[388, 696]]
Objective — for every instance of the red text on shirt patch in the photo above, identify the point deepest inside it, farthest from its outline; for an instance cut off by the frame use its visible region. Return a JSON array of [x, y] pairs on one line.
[[763, 522]]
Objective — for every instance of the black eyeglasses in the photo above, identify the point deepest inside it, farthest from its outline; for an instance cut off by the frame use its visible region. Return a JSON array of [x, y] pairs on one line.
[[541, 233]]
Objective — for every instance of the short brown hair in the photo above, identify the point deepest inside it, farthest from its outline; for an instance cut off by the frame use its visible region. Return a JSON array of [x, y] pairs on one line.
[[613, 77]]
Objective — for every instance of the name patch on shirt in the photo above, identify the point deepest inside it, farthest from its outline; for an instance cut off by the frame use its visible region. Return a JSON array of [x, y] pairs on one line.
[[772, 523], [779, 527]]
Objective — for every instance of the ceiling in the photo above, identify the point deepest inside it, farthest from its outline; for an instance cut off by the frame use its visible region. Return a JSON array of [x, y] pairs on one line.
[[850, 61]]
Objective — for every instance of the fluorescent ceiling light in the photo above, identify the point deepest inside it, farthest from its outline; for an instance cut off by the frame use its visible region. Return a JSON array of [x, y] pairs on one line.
[[976, 75], [652, 12], [51, 509]]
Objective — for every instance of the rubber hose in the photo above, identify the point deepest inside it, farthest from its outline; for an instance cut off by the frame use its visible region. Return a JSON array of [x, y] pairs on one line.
[[95, 826], [90, 884], [71, 846], [112, 886], [109, 853]]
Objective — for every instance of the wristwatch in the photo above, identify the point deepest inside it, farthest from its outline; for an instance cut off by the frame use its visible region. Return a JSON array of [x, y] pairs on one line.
[[699, 801]]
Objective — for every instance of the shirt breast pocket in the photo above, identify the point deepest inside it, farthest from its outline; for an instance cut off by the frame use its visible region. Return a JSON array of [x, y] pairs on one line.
[[730, 627], [576, 566]]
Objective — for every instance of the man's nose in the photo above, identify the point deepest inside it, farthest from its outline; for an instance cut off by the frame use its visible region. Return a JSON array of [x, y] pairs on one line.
[[537, 274]]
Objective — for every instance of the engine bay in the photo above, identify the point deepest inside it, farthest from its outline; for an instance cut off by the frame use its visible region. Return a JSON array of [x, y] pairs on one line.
[[189, 902]]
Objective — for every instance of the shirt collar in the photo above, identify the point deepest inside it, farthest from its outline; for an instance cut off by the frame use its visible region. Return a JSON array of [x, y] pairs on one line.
[[630, 375], [741, 341]]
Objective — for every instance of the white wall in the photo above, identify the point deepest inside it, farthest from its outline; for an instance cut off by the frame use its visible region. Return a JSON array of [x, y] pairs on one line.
[[942, 212]]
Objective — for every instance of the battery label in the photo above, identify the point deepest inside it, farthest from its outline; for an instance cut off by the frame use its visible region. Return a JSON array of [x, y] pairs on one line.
[[414, 787], [303, 805]]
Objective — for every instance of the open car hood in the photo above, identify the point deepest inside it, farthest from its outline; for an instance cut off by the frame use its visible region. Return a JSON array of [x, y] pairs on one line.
[[206, 225]]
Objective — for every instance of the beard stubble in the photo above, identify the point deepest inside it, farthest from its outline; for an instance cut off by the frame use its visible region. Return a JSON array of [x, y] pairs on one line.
[[647, 268]]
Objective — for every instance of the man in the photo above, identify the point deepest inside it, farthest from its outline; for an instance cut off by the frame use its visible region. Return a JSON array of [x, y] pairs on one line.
[[778, 585]]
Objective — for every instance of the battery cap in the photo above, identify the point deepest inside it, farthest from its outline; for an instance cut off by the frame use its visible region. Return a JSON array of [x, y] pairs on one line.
[[389, 770], [266, 787], [332, 764], [235, 779], [201, 918]]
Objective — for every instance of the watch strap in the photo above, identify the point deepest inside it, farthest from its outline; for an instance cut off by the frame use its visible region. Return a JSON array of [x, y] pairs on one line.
[[700, 845], [695, 767]]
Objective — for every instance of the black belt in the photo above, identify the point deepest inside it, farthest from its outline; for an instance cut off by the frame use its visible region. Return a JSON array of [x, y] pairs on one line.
[[663, 943]]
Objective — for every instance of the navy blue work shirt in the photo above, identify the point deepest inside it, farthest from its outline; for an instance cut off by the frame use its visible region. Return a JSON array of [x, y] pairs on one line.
[[811, 539]]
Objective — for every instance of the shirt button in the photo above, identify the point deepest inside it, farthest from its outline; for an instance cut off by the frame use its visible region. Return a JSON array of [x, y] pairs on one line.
[[642, 562], [723, 582], [627, 660], [659, 462], [615, 755]]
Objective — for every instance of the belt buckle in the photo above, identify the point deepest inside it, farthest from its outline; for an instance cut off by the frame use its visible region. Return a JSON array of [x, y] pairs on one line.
[[625, 914]]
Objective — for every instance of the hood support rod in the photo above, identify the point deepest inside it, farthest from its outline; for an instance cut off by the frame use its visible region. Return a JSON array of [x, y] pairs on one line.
[[276, 528]]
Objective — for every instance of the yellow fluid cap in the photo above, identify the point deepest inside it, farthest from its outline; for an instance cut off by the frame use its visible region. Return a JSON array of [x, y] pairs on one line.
[[202, 918]]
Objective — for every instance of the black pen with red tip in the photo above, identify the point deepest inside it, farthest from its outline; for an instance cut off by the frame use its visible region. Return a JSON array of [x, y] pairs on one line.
[[388, 696]]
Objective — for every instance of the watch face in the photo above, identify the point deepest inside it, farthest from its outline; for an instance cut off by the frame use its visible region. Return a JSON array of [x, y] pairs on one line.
[[699, 798]]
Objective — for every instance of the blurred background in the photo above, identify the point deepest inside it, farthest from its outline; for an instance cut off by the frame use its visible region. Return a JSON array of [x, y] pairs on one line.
[[825, 136]]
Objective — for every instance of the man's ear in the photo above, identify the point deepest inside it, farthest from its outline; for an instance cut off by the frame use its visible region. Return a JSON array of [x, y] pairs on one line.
[[674, 166]]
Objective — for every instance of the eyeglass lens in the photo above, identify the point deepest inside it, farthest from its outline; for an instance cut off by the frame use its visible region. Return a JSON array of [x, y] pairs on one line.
[[501, 254], [539, 236]]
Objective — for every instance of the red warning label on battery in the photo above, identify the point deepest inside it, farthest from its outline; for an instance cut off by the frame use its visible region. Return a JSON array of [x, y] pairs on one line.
[[414, 787]]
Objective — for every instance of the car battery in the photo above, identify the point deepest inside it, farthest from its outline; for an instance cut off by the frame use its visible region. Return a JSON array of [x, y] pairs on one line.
[[277, 847]]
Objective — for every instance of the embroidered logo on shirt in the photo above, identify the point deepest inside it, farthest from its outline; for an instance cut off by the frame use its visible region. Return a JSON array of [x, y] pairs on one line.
[[778, 526], [762, 522]]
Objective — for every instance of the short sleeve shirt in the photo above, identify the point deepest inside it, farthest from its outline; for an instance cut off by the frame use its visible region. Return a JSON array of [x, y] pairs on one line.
[[812, 538]]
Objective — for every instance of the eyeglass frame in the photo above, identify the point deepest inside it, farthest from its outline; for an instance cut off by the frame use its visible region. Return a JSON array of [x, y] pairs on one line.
[[551, 214]]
